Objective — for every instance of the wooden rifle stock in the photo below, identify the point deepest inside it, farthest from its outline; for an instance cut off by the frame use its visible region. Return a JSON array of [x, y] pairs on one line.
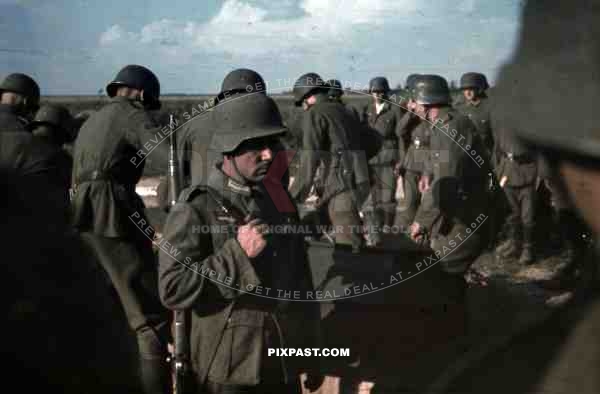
[[181, 348]]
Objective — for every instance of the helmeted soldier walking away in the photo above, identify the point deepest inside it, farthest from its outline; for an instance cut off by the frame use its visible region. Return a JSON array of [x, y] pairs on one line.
[[336, 93], [53, 124], [330, 136], [242, 308], [107, 164], [476, 106], [516, 169], [383, 116], [19, 100], [454, 150], [409, 166]]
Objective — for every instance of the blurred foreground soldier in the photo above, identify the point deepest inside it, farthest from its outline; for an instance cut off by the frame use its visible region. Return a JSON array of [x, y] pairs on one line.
[[52, 124], [240, 310], [330, 136], [453, 151], [516, 170], [383, 116], [19, 99], [560, 354], [409, 167], [108, 162], [476, 106]]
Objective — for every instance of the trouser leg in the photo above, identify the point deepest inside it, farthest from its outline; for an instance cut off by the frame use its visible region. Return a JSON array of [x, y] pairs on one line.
[[132, 272], [343, 214], [407, 208]]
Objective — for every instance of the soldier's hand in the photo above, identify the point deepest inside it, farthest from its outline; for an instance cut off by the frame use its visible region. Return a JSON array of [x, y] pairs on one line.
[[424, 183], [251, 237], [416, 233]]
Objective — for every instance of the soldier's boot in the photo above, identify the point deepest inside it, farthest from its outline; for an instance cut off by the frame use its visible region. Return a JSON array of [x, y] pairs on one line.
[[513, 246], [528, 252]]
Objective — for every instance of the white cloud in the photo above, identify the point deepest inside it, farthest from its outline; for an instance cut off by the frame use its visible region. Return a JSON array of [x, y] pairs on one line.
[[343, 38], [112, 34]]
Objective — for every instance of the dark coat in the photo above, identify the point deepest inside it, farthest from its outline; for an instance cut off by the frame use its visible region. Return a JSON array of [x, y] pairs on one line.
[[108, 161], [454, 151], [330, 135], [514, 159], [386, 123], [9, 120], [480, 115], [231, 326]]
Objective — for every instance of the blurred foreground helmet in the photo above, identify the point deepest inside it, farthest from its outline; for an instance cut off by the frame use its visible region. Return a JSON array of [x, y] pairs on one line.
[[556, 76], [379, 84], [307, 85], [242, 80], [335, 89], [23, 85], [138, 77], [432, 90], [476, 81], [251, 117]]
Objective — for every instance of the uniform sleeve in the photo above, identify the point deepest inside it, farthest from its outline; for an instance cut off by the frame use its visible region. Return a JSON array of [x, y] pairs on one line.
[[151, 137], [314, 128], [191, 271]]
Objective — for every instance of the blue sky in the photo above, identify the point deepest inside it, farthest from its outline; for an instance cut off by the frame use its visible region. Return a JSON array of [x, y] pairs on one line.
[[76, 46]]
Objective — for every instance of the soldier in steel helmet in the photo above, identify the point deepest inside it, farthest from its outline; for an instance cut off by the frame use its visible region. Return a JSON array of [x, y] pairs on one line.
[[330, 136], [237, 278], [409, 168], [108, 162], [476, 106], [19, 100], [384, 116], [194, 137], [53, 124], [454, 150]]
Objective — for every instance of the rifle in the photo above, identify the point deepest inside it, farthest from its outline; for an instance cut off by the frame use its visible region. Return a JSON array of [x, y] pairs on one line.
[[181, 348]]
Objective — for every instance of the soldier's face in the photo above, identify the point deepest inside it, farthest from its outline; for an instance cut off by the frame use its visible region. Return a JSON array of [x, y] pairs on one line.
[[377, 96], [254, 159], [583, 184], [469, 94], [420, 110]]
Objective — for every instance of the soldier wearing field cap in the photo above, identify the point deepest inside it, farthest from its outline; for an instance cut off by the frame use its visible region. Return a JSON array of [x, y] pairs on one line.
[[237, 281], [19, 100]]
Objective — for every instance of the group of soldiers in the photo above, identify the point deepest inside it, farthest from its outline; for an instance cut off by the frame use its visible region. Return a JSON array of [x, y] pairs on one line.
[[422, 162]]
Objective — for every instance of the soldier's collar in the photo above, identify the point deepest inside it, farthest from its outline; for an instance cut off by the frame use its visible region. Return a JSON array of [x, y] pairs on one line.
[[474, 103], [220, 181]]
